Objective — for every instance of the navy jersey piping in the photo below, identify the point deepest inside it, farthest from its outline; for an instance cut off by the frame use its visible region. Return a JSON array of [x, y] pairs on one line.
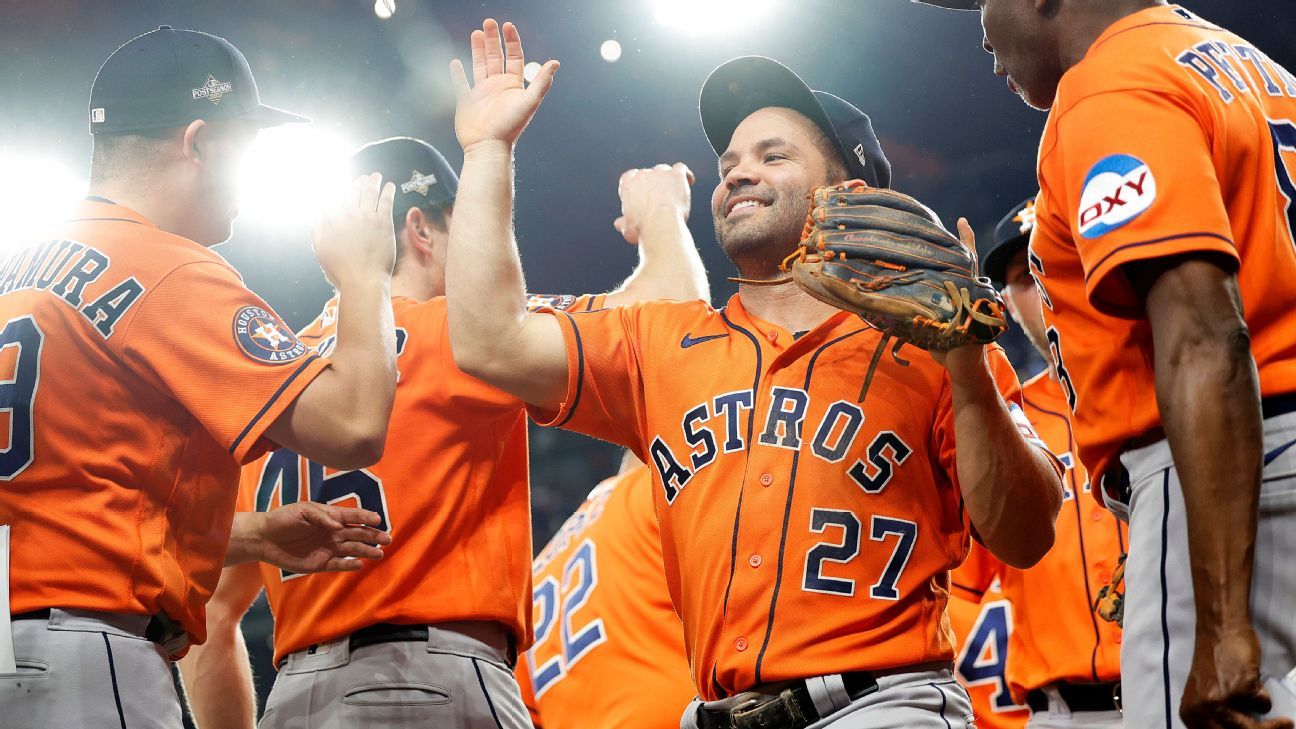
[[270, 403]]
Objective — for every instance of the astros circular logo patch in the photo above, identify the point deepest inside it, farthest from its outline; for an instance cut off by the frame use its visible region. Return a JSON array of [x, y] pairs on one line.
[[264, 338]]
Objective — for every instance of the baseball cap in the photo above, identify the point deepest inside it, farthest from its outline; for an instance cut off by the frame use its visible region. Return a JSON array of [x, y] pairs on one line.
[[741, 86], [1010, 236], [422, 175], [169, 78], [950, 4]]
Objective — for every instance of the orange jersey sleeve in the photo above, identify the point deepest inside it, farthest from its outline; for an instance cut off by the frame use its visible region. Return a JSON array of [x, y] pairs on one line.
[[1172, 137], [131, 392], [608, 642]]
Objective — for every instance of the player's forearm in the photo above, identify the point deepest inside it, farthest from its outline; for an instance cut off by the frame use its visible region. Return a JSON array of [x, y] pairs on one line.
[[669, 264], [245, 538], [1010, 489], [218, 682], [1208, 393], [485, 291], [364, 361]]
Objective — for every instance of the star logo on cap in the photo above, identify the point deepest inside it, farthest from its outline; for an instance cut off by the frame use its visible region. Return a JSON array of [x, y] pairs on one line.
[[419, 183], [213, 90], [1026, 218]]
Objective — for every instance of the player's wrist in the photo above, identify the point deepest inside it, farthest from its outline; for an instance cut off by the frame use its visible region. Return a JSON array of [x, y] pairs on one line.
[[488, 149]]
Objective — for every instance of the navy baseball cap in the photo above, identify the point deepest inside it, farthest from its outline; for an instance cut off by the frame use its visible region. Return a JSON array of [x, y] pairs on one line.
[[422, 175], [1010, 236], [951, 4], [169, 78], [744, 85]]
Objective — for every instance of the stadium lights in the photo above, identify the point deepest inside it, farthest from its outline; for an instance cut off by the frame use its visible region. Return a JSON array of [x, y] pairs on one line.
[[35, 195], [384, 9], [289, 172], [530, 70], [708, 16], [610, 51]]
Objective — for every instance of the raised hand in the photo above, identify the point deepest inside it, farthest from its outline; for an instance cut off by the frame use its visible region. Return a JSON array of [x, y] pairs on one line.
[[661, 190], [499, 103], [355, 236]]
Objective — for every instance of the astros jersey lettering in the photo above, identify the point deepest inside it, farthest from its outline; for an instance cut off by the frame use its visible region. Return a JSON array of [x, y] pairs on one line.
[[137, 374], [982, 620], [451, 488], [1196, 156], [608, 642], [803, 532]]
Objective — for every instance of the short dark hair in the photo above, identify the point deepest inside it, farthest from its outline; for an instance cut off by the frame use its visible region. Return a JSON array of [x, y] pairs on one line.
[[119, 155]]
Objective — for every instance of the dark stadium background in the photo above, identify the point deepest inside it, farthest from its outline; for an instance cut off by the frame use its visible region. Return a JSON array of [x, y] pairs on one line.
[[955, 135]]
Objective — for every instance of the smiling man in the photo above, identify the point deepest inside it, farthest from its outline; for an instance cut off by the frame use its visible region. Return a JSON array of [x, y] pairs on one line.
[[807, 537], [1164, 253]]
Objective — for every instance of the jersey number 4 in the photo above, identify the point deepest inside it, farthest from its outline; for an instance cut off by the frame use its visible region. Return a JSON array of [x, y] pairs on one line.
[[283, 473], [554, 606], [984, 659], [21, 341], [881, 528]]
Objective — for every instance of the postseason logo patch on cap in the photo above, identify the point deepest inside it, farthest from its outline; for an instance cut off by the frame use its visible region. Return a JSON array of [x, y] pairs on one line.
[[1117, 190], [213, 90], [419, 183], [264, 338]]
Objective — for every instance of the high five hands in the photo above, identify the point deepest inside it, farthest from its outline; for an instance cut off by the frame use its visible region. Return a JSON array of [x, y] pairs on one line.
[[499, 103]]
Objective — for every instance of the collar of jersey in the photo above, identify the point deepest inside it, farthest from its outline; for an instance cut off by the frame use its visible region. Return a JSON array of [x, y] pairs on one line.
[[1147, 16], [97, 209], [739, 315]]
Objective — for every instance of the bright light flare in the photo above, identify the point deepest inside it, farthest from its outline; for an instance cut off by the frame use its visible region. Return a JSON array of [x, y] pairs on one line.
[[384, 9], [530, 70], [35, 195], [290, 172], [610, 51], [708, 16]]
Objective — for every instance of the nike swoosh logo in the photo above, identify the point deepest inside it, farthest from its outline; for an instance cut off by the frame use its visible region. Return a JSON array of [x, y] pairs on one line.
[[689, 341], [1273, 454]]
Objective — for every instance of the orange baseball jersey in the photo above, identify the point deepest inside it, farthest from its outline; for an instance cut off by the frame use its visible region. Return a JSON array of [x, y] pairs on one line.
[[452, 489], [1172, 136], [1054, 634], [608, 642], [803, 532], [983, 623], [137, 373]]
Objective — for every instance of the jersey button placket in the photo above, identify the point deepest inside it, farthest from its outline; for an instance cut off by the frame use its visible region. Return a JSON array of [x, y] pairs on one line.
[[766, 479], [740, 645], [754, 561]]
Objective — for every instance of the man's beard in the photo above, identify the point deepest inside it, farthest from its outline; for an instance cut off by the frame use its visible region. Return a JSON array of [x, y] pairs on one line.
[[757, 247]]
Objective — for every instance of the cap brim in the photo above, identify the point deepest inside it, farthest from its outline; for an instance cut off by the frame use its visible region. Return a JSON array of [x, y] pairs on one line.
[[741, 86], [994, 264], [951, 4], [269, 116]]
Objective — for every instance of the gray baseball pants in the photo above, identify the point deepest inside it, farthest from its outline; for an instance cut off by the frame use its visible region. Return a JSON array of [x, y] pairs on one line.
[[1160, 615], [923, 699], [458, 679], [86, 669]]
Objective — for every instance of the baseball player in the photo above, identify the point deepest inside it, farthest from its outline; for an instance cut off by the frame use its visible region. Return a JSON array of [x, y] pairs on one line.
[[608, 643], [1063, 660], [1166, 217], [806, 537], [982, 621], [139, 373], [431, 639]]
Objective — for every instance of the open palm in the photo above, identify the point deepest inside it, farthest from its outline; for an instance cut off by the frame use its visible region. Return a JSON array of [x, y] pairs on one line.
[[499, 103]]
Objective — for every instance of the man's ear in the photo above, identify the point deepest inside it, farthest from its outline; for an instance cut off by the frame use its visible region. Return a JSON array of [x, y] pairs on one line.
[[418, 230], [194, 140]]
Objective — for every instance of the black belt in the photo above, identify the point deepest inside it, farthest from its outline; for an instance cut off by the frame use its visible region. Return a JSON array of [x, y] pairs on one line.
[[161, 629], [1115, 482], [788, 706], [393, 633], [1079, 697]]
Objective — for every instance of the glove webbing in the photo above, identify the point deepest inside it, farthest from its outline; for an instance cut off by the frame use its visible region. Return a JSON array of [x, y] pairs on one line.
[[1110, 604]]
